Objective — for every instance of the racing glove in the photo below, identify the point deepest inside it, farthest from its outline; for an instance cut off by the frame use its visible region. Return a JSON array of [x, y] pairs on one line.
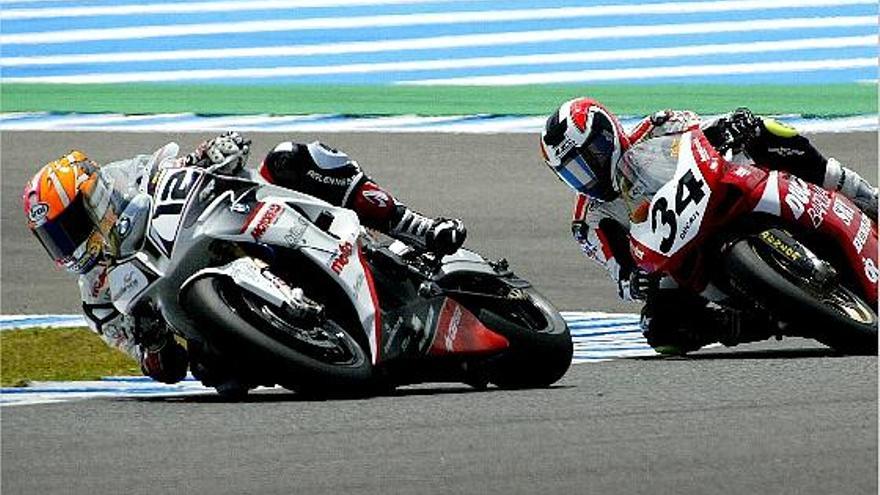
[[636, 286], [226, 153], [738, 129]]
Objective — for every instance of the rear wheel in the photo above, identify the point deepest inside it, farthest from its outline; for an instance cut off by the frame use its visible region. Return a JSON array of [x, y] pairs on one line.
[[833, 315], [540, 349], [311, 354]]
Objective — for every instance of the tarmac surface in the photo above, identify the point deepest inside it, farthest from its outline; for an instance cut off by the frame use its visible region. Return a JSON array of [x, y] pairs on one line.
[[774, 417]]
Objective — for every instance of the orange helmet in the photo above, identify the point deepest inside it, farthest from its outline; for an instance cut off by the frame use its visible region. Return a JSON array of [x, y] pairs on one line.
[[58, 215]]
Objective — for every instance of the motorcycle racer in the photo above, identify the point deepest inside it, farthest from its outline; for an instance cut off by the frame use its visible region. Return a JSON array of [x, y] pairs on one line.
[[582, 142], [85, 215]]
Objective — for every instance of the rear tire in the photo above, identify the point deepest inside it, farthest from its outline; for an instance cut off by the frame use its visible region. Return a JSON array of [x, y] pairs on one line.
[[537, 357], [270, 343], [840, 319]]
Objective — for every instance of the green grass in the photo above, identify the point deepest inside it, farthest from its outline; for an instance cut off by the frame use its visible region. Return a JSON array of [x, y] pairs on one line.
[[58, 354], [818, 100]]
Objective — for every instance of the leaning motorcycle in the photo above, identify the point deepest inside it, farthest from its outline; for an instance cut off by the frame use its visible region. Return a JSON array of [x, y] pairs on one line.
[[278, 287], [755, 241]]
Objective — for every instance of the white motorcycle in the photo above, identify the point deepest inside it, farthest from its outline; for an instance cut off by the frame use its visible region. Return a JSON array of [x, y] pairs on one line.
[[278, 287]]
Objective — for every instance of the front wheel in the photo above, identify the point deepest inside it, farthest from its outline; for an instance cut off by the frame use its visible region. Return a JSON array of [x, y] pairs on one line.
[[833, 315], [313, 355]]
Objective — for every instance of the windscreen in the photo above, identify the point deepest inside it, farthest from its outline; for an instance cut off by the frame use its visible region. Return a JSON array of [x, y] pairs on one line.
[[645, 168]]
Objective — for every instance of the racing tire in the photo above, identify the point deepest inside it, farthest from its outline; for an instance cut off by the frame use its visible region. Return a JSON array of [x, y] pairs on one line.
[[217, 303], [537, 357], [846, 324]]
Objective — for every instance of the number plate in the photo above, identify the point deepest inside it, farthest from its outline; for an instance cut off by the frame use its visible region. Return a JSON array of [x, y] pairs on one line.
[[169, 201], [677, 209]]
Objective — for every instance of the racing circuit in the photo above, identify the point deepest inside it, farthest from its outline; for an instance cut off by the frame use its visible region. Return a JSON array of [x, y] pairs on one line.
[[773, 417]]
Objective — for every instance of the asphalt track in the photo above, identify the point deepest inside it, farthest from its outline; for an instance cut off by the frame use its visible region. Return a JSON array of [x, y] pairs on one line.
[[773, 417]]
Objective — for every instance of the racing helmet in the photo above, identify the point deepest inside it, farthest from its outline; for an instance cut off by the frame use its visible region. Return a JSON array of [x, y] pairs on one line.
[[59, 214], [581, 143]]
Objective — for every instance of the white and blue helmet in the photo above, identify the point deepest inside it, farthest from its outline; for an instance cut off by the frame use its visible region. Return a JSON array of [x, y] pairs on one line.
[[581, 142]]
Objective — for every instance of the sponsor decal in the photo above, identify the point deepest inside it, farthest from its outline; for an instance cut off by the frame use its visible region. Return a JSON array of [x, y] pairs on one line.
[[785, 151], [99, 282], [295, 233], [126, 283], [459, 331], [241, 208], [742, 172], [843, 211], [675, 149], [871, 270], [206, 193], [269, 217], [338, 263], [129, 282], [391, 334], [564, 147], [123, 227], [688, 223], [377, 197], [780, 246], [333, 181], [359, 284], [701, 151], [452, 330], [862, 234], [819, 206], [38, 213], [798, 196]]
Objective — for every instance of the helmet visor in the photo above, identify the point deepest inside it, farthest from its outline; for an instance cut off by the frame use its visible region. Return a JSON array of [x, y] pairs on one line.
[[576, 172], [584, 166], [63, 235]]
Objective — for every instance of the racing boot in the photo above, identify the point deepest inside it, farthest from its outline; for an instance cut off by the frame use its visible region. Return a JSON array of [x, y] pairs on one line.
[[741, 327], [676, 322], [852, 185], [164, 361], [440, 235], [379, 210]]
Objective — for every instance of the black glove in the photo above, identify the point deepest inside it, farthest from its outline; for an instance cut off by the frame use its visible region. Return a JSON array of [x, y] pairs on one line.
[[446, 236], [738, 129], [637, 285]]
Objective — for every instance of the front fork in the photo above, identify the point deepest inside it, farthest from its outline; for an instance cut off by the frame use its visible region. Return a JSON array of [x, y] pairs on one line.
[[254, 276]]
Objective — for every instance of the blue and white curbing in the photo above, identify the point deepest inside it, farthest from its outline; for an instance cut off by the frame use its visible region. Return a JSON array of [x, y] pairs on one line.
[[597, 337], [463, 124]]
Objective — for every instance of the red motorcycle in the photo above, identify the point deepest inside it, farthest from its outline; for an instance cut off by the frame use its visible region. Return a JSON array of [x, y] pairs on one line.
[[753, 240]]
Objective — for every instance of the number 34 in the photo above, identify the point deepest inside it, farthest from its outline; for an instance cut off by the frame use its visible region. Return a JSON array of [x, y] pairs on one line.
[[689, 190]]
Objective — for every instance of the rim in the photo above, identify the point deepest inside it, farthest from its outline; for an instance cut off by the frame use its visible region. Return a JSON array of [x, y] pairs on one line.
[[837, 297], [325, 342], [848, 304]]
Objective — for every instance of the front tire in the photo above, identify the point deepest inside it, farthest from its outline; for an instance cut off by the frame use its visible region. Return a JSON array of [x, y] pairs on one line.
[[322, 357], [837, 317]]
